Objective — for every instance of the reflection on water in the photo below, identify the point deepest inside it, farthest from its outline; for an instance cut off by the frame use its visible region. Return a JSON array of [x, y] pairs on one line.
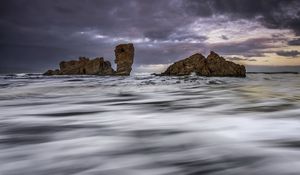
[[149, 125]]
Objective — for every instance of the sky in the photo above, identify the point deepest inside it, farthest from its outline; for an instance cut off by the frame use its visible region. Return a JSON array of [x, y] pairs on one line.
[[35, 35]]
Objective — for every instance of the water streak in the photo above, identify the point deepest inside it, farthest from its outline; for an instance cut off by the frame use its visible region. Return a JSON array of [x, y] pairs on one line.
[[145, 124]]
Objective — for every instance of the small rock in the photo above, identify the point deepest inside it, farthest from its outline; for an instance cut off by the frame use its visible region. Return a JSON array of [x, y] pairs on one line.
[[52, 72]]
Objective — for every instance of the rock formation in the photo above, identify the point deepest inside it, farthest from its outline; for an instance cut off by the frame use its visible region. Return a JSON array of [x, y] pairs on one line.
[[84, 66], [124, 58], [98, 66], [213, 65]]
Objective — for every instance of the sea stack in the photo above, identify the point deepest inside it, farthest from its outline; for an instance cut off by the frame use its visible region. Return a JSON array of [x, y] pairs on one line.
[[98, 66], [124, 58], [213, 65]]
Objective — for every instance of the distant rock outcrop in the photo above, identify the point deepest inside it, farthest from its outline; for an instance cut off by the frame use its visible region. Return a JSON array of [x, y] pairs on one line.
[[52, 72], [98, 66], [213, 65], [124, 58]]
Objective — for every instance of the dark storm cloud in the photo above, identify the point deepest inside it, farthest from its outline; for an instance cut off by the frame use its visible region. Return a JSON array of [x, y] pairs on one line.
[[38, 34], [57, 24], [292, 53], [199, 8], [276, 14], [295, 42], [114, 18]]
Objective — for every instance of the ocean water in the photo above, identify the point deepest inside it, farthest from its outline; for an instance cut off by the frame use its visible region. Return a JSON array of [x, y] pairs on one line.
[[149, 125]]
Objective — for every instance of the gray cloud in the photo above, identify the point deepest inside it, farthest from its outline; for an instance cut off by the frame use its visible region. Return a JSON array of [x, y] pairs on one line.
[[248, 48], [252, 59], [295, 42], [158, 34], [198, 8], [224, 37], [292, 53], [255, 54], [235, 59], [188, 37]]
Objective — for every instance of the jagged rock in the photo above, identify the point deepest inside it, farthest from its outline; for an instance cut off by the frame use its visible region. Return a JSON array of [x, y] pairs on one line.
[[124, 58], [98, 66], [218, 66], [84, 66], [73, 67], [214, 65]]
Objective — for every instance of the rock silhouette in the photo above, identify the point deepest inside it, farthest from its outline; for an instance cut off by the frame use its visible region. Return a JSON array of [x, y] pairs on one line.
[[213, 65], [98, 66], [124, 58]]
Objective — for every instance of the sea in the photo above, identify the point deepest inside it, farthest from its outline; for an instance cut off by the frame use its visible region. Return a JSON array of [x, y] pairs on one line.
[[149, 125]]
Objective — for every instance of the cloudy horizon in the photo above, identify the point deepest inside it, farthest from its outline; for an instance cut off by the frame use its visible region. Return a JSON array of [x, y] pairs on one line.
[[36, 35]]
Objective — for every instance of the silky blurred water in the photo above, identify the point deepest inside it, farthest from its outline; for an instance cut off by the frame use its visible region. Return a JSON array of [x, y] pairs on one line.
[[149, 125]]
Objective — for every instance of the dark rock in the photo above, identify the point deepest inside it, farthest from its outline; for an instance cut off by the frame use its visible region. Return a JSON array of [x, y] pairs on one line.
[[98, 66], [124, 58], [52, 72], [214, 65], [84, 66], [218, 66], [195, 63], [73, 67]]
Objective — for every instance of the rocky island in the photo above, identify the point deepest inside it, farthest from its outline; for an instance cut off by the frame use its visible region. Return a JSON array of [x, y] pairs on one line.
[[213, 65], [84, 66]]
